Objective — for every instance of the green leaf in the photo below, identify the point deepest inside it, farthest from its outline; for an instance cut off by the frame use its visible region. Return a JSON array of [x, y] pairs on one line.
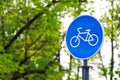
[[111, 74], [1, 49]]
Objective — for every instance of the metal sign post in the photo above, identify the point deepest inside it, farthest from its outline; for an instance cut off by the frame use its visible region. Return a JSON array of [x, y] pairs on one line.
[[85, 70]]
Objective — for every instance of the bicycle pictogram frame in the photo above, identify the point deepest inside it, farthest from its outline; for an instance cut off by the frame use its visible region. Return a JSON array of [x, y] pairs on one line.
[[92, 39]]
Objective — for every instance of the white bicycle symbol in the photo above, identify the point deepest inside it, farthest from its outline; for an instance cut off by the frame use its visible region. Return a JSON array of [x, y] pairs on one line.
[[92, 39]]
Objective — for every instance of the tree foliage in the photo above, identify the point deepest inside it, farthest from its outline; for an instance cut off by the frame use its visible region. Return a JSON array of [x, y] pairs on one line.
[[111, 21], [30, 39]]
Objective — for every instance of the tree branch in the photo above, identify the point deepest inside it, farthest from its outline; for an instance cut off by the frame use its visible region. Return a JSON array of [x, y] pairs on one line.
[[28, 57], [21, 30], [100, 56], [17, 75], [35, 40], [3, 31]]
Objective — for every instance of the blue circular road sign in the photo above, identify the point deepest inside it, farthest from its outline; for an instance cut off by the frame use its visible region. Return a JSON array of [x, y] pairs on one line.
[[84, 37]]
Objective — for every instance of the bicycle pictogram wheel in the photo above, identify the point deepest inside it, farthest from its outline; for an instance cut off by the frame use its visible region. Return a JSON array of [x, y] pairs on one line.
[[75, 41], [93, 40]]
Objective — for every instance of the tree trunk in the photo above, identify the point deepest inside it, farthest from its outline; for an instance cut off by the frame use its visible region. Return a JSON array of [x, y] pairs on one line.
[[100, 56], [70, 67], [112, 46]]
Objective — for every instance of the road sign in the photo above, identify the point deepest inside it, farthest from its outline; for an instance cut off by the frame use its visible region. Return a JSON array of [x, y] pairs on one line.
[[84, 37]]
